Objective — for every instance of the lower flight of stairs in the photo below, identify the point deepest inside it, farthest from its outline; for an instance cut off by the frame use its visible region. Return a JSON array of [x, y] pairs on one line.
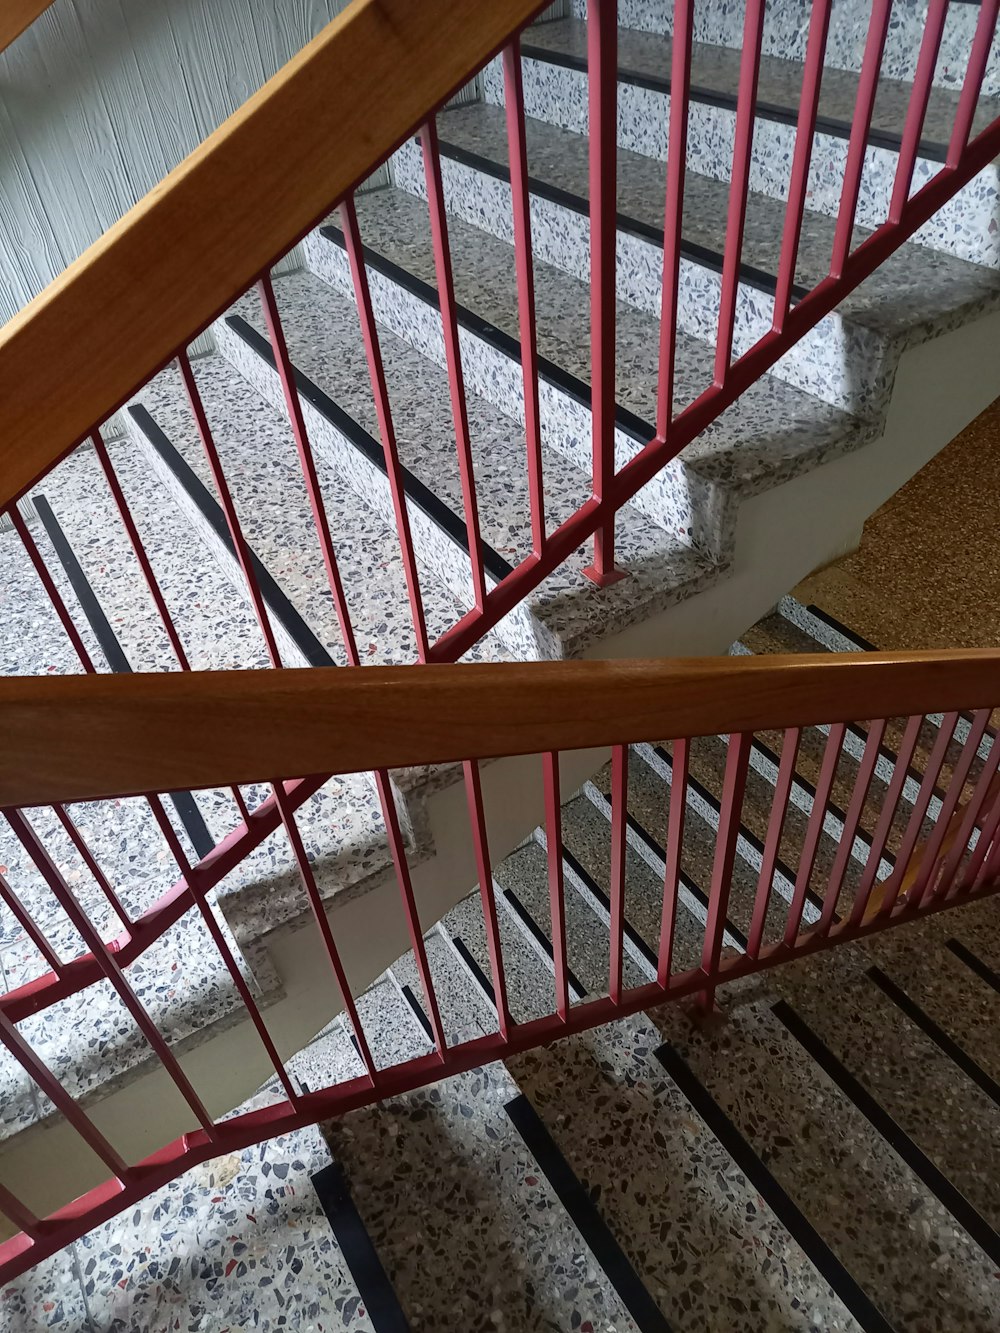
[[822, 1152]]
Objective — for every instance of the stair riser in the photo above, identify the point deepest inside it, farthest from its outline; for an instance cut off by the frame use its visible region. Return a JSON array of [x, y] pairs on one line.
[[824, 363], [677, 499], [437, 555], [786, 27], [558, 94]]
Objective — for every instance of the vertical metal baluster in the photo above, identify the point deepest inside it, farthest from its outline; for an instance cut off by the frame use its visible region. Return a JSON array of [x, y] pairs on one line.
[[323, 925], [990, 856], [949, 881], [739, 186], [852, 818], [923, 79], [814, 830], [19, 1213], [380, 393], [798, 186], [30, 927], [906, 848], [517, 151], [959, 774], [871, 63], [733, 787], [57, 1094], [47, 582], [602, 102], [240, 545], [453, 353], [108, 963], [554, 855], [886, 817], [973, 82], [398, 850], [90, 861], [477, 821], [307, 463], [679, 764], [220, 942], [619, 829], [673, 211], [772, 840]]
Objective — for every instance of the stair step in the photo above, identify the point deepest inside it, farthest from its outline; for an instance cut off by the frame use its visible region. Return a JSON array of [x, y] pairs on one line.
[[779, 431], [554, 71]]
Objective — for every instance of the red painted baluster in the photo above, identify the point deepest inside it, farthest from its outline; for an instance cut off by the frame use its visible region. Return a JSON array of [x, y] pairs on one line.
[[739, 185], [733, 787], [679, 764], [19, 1214], [319, 914], [950, 883], [814, 830], [90, 861], [937, 12], [619, 828], [30, 927], [857, 144], [380, 393], [949, 805], [989, 857], [477, 820], [57, 1094], [240, 545], [919, 813], [602, 102], [220, 942], [973, 82], [673, 211], [554, 855], [307, 462], [887, 815], [47, 582], [517, 152], [852, 820], [453, 353], [109, 965], [798, 187], [772, 840]]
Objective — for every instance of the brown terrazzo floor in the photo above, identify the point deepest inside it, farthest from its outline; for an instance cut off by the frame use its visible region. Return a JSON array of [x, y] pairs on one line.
[[927, 572]]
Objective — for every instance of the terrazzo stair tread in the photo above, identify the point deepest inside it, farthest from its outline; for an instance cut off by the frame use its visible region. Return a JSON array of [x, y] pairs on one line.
[[915, 292], [523, 876], [587, 837], [704, 1242], [716, 69], [464, 1219], [465, 1010], [952, 1119], [920, 1268], [566, 613], [747, 450], [648, 804]]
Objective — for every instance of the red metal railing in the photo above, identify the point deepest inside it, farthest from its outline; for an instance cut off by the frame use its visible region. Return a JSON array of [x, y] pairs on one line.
[[966, 867]]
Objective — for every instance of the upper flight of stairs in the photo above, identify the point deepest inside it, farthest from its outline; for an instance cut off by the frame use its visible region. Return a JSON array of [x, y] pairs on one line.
[[709, 545]]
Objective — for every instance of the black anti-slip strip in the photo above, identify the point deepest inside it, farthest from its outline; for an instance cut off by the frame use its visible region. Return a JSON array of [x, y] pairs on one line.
[[422, 496], [658, 851], [375, 1289], [596, 892], [278, 604], [785, 115], [966, 1216], [781, 1204], [418, 1012], [568, 384], [542, 939], [982, 970], [972, 1071], [596, 1234], [576, 203], [183, 802], [478, 975]]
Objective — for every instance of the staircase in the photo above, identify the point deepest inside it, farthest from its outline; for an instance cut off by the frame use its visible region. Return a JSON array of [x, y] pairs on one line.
[[196, 538]]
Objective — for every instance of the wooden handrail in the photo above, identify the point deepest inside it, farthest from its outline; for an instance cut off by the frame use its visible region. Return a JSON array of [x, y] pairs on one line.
[[253, 189], [74, 738], [16, 15]]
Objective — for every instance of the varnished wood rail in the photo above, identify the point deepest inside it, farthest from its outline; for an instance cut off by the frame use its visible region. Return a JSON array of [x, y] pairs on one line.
[[72, 738], [16, 15], [235, 205]]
